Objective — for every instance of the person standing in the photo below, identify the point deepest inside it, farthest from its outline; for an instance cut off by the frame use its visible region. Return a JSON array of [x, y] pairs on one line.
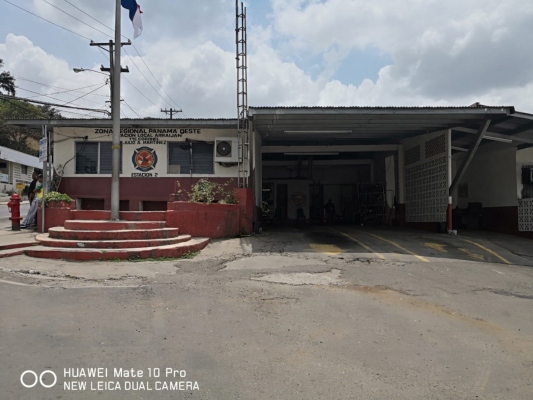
[[32, 186], [330, 211], [31, 218]]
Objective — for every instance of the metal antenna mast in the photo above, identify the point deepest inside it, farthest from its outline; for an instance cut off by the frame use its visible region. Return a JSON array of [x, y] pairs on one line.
[[242, 95]]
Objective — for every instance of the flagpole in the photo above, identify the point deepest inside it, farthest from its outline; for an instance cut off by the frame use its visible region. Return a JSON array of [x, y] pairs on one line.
[[115, 111]]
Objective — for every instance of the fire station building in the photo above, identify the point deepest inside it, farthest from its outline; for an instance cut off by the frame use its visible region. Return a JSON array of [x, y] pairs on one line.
[[418, 166]]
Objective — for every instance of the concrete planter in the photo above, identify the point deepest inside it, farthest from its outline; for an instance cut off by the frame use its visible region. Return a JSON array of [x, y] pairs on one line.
[[56, 213], [213, 220]]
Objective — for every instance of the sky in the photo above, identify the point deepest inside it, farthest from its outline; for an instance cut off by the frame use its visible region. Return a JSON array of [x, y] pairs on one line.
[[300, 53]]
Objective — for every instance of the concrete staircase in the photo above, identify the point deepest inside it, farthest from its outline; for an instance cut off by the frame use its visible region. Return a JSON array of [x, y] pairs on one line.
[[91, 236]]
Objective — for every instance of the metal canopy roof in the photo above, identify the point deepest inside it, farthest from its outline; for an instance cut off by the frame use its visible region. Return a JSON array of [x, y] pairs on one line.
[[344, 125], [384, 125]]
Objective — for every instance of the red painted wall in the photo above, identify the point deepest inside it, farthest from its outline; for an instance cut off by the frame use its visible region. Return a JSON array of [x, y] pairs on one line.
[[132, 190]]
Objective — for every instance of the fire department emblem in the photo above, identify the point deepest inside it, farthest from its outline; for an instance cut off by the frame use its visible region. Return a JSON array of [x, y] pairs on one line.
[[144, 159]]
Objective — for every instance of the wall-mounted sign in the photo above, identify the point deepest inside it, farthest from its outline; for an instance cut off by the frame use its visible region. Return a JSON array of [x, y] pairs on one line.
[[152, 136], [43, 150], [144, 159], [298, 199], [4, 178]]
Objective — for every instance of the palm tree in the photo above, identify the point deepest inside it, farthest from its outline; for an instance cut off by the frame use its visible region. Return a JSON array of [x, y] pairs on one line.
[[7, 82]]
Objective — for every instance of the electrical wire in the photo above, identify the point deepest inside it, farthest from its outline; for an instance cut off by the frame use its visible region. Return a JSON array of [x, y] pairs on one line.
[[77, 19], [85, 37], [44, 19], [49, 104], [145, 78], [142, 59], [90, 16], [53, 98], [137, 89], [125, 102], [86, 94], [56, 87], [66, 91], [149, 70]]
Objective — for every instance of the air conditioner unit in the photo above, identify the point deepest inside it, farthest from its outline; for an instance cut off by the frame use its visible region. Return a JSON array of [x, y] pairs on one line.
[[227, 150]]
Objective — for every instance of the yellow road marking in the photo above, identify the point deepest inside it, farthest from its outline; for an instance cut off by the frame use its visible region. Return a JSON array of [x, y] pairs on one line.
[[473, 255], [401, 248], [487, 250], [329, 249], [436, 246], [360, 244]]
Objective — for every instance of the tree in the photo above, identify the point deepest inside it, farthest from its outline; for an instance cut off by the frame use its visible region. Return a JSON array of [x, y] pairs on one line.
[[20, 138], [7, 82]]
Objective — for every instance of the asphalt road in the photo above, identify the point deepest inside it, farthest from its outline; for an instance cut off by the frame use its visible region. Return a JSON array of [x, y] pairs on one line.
[[4, 211], [321, 313]]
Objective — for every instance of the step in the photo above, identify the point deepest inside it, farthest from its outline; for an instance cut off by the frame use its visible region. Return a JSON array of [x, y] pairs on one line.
[[171, 251], [26, 243], [127, 234], [94, 225], [47, 241], [143, 215], [124, 215], [11, 252]]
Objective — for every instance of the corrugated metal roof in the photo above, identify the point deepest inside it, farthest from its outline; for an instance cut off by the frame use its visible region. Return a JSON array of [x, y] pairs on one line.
[[19, 158], [475, 105], [126, 119]]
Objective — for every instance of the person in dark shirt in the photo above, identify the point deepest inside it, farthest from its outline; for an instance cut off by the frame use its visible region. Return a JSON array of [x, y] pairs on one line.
[[330, 211], [33, 184]]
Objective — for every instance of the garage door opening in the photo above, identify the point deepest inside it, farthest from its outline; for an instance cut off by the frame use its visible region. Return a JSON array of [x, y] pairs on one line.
[[332, 188]]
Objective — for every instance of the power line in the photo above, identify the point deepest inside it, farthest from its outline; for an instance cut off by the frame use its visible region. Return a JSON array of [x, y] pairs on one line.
[[86, 94], [2, 96], [44, 19], [135, 48], [137, 51], [132, 110], [67, 91], [145, 78], [57, 87], [140, 109], [137, 89], [53, 98], [77, 19], [76, 113], [90, 16]]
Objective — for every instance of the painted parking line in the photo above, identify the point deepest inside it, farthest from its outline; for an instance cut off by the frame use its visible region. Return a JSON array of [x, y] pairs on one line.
[[329, 249], [437, 247], [401, 248], [487, 250], [470, 254], [360, 244]]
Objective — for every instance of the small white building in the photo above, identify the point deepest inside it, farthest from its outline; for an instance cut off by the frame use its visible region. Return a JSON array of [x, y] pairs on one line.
[[16, 168]]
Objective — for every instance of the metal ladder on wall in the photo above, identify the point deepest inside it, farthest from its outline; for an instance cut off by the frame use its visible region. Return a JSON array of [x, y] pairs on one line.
[[242, 96]]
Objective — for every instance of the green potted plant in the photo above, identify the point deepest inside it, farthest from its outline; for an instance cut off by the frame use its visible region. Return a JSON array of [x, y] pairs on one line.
[[205, 191], [57, 200]]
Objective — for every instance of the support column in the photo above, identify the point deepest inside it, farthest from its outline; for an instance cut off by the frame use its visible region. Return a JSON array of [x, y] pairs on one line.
[[401, 187], [116, 69]]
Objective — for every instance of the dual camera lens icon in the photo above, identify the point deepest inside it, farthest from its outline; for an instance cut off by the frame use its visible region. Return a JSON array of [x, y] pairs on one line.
[[35, 379]]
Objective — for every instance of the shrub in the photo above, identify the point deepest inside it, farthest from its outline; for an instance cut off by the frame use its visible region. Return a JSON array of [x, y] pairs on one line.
[[205, 191], [56, 197]]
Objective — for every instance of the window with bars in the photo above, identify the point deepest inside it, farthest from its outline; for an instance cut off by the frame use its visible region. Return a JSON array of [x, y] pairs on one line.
[[94, 158], [191, 158]]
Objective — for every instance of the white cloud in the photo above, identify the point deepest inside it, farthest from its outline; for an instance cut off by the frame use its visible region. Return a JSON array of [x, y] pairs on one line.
[[444, 53]]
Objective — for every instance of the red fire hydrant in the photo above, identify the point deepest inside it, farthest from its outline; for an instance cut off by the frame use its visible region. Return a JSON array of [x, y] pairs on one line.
[[14, 209]]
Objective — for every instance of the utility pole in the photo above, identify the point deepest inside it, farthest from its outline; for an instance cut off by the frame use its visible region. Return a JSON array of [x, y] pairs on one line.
[[171, 112], [109, 47], [115, 69]]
